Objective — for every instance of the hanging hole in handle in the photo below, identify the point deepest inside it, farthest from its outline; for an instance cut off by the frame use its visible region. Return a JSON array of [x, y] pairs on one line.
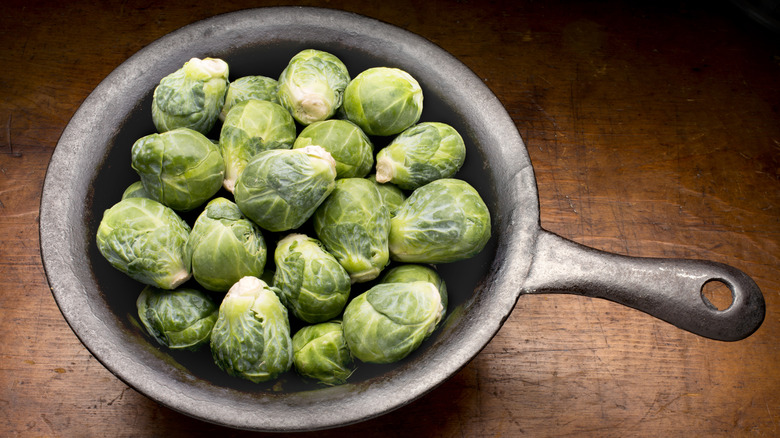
[[717, 294]]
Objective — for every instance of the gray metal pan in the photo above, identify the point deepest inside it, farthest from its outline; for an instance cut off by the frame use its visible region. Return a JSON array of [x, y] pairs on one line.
[[90, 168]]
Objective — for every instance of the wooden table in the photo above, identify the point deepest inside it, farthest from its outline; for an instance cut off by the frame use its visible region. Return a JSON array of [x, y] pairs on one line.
[[654, 130]]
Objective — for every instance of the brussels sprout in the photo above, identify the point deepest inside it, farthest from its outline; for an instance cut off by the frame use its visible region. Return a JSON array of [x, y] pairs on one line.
[[251, 338], [192, 96], [147, 241], [421, 154], [249, 87], [348, 144], [180, 168], [250, 127], [312, 85], [311, 282], [280, 189], [225, 246], [135, 190], [179, 319], [353, 223], [383, 101], [392, 196], [443, 221], [321, 353], [390, 320], [412, 272]]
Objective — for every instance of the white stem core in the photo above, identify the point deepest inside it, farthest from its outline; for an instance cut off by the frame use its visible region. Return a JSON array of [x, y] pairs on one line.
[[384, 170]]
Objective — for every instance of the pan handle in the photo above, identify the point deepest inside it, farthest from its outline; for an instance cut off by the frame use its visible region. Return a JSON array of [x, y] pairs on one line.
[[668, 289]]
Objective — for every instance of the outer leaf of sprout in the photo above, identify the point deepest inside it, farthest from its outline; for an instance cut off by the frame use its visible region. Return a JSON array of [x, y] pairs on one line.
[[180, 168], [192, 96], [147, 241], [390, 320], [251, 338], [353, 224], [346, 142], [392, 196], [179, 319], [408, 273], [253, 126], [383, 101], [311, 87], [443, 221], [311, 282], [225, 246], [321, 353], [249, 87], [423, 153], [280, 189]]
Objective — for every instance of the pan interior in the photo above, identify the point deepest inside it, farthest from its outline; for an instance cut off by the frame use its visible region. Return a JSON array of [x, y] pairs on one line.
[[91, 168]]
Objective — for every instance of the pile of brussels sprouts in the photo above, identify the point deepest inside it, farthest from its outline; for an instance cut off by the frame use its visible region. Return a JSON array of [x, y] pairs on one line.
[[294, 208]]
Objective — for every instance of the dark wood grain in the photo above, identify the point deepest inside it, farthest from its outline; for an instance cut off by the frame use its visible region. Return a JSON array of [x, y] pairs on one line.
[[653, 130]]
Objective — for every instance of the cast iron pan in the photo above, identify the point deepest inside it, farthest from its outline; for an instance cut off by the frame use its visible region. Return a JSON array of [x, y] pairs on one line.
[[91, 167]]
